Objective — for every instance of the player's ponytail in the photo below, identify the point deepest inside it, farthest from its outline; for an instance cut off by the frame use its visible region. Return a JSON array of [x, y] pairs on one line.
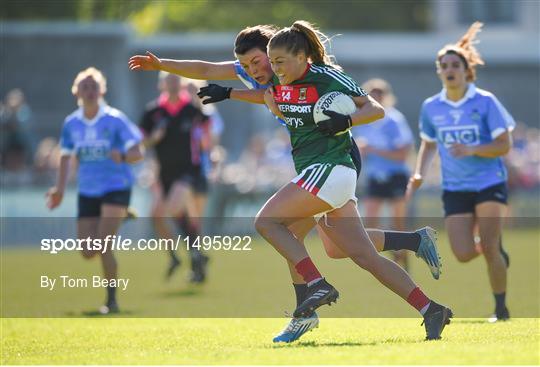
[[465, 49], [303, 36]]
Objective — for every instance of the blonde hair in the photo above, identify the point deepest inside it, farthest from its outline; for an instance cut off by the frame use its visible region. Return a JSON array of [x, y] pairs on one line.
[[465, 50], [303, 36], [96, 74], [388, 97]]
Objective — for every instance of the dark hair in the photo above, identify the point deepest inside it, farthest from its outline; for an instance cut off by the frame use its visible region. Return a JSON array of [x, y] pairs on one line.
[[254, 37], [465, 50], [303, 36]]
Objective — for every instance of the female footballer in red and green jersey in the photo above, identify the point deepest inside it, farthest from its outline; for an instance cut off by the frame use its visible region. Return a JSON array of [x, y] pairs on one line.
[[326, 178], [253, 69], [471, 130]]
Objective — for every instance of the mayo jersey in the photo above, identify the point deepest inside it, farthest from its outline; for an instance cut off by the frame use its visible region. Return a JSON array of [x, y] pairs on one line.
[[296, 102], [478, 118], [392, 132], [92, 141]]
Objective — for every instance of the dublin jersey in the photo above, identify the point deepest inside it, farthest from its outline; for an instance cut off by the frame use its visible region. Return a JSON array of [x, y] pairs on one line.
[[389, 133], [478, 118], [296, 102], [251, 83], [246, 79], [92, 141]]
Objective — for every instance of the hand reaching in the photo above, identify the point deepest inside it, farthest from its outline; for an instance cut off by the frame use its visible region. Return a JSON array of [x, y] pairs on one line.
[[216, 93], [144, 62]]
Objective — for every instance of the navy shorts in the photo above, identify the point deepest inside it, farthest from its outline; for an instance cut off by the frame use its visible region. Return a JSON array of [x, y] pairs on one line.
[[90, 206], [460, 202], [393, 187], [356, 158]]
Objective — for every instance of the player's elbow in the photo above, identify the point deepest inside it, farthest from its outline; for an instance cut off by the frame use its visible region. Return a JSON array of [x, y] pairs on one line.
[[379, 112], [376, 112]]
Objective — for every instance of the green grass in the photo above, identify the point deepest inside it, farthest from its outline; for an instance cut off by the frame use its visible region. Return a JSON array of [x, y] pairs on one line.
[[256, 285], [247, 341]]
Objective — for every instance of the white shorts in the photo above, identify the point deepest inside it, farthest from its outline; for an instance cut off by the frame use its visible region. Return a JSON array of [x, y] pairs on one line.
[[334, 184]]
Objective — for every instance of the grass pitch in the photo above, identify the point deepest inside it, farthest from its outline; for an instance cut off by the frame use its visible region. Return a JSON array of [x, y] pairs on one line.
[[138, 338], [248, 341]]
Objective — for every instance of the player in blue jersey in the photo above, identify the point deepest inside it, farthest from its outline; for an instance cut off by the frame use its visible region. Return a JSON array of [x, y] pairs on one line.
[[105, 142], [471, 130], [385, 146], [253, 68]]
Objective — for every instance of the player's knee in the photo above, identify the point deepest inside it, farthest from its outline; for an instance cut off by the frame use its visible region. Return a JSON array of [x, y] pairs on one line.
[[490, 251], [265, 223], [173, 211], [158, 212], [262, 224], [334, 253], [463, 257]]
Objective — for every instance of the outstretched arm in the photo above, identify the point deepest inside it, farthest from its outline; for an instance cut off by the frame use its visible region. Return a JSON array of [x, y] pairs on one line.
[[248, 95], [216, 93], [194, 69]]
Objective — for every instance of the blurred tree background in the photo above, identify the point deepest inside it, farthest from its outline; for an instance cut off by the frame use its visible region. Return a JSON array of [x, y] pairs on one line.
[[149, 17]]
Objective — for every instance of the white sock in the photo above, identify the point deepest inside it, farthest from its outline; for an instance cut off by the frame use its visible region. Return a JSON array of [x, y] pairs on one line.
[[313, 282], [424, 309]]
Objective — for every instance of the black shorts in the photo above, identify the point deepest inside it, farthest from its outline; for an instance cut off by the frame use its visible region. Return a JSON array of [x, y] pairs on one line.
[[392, 187], [460, 202], [197, 181], [90, 206]]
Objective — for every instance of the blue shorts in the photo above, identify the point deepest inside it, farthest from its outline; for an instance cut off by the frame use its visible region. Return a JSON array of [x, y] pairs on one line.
[[90, 206], [460, 202]]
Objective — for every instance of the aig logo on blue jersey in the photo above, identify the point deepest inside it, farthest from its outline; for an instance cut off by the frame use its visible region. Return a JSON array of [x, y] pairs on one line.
[[98, 150], [466, 134]]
